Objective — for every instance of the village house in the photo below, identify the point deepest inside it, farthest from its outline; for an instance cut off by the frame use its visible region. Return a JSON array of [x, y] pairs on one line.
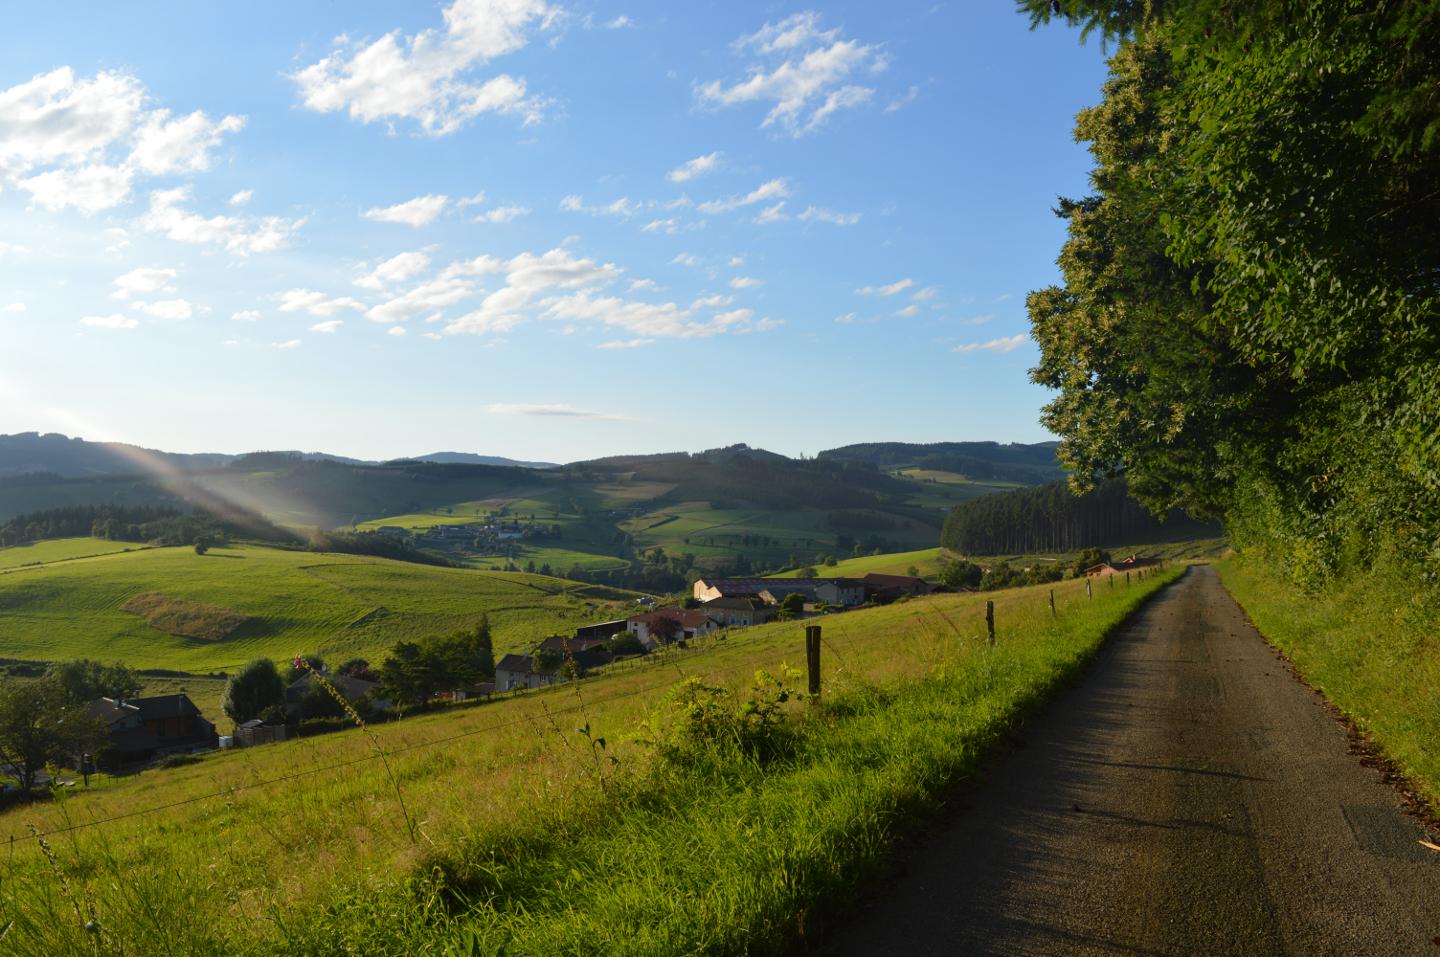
[[602, 630], [846, 592], [518, 671], [142, 729], [681, 623], [1128, 564], [739, 612]]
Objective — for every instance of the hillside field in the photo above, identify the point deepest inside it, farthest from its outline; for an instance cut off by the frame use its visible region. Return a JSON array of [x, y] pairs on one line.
[[295, 602], [526, 834], [926, 561]]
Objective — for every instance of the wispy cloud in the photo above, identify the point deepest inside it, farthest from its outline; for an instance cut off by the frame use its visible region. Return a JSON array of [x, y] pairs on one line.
[[558, 409], [690, 169], [1007, 344], [898, 286], [417, 212]]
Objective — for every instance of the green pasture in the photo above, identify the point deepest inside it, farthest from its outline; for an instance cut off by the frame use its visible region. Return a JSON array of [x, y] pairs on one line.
[[61, 550], [502, 828], [336, 605], [926, 560]]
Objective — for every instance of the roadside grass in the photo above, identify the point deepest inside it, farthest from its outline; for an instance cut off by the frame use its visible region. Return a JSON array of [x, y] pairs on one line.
[[531, 839], [297, 602], [1370, 643]]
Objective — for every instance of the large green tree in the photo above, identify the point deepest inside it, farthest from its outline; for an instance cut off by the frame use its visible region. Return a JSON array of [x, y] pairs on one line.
[[1249, 323], [85, 680]]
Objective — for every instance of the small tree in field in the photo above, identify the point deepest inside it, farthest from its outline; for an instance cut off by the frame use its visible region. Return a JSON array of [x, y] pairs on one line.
[[792, 606], [252, 690]]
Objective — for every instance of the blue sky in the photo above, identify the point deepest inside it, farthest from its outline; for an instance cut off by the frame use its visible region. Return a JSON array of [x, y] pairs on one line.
[[535, 229]]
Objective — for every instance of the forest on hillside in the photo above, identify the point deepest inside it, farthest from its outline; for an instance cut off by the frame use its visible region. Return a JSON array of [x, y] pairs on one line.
[[1247, 323], [1051, 518]]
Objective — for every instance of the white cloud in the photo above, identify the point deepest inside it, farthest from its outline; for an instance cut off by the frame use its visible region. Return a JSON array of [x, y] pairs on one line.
[[773, 214], [744, 282], [77, 142], [619, 23], [89, 189], [472, 200], [979, 320], [765, 325], [625, 343], [668, 226], [642, 285], [817, 214], [287, 344], [690, 169], [12, 248], [240, 236], [771, 189], [242, 198], [315, 303], [547, 409], [502, 214], [685, 259], [624, 207], [846, 319], [429, 77], [174, 310], [420, 211], [428, 297], [16, 308], [1007, 344], [909, 312], [246, 315], [737, 261], [328, 326], [395, 269], [803, 71], [144, 280], [396, 330], [183, 145], [113, 321], [926, 294], [899, 286]]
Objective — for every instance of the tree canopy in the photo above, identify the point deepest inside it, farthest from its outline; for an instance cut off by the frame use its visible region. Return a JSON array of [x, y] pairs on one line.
[[1247, 325], [40, 724]]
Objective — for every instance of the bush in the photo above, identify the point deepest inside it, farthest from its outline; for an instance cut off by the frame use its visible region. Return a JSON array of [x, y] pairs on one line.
[[177, 760], [696, 723]]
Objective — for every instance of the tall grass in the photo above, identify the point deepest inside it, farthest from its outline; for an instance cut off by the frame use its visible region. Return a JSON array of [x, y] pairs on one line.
[[1370, 642], [525, 844]]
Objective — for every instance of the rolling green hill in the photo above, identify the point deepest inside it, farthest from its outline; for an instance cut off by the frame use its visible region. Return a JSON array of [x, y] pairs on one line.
[[286, 602]]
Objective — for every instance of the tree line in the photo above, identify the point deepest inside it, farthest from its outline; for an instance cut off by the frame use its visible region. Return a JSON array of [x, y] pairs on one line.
[[1247, 324], [155, 524], [1050, 518]]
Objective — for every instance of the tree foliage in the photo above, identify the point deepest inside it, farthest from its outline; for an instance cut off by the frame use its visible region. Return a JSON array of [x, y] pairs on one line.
[[1248, 321], [41, 724], [253, 690], [86, 680], [416, 670]]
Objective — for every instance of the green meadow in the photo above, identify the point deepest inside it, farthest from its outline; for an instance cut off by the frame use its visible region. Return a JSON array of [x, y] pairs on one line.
[[926, 561], [294, 601], [679, 804]]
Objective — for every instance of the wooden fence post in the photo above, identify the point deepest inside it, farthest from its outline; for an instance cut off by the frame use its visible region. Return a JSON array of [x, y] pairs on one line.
[[1052, 603], [1088, 593], [1127, 579], [812, 657], [990, 621]]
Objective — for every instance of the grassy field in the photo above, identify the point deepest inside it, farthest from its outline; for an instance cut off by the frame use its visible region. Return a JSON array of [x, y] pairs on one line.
[[60, 550], [700, 826], [336, 605], [1369, 644], [926, 561]]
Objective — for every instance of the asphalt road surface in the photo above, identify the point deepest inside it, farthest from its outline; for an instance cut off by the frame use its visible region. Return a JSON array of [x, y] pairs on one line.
[[1190, 797]]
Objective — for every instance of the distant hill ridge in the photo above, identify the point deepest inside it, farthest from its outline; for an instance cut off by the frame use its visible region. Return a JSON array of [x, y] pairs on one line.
[[56, 454], [1030, 464]]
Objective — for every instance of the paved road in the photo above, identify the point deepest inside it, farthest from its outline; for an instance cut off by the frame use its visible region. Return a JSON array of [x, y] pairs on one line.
[[1188, 797]]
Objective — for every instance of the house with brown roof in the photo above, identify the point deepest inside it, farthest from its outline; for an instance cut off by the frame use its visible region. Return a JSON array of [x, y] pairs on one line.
[[143, 729], [1124, 565], [740, 612]]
